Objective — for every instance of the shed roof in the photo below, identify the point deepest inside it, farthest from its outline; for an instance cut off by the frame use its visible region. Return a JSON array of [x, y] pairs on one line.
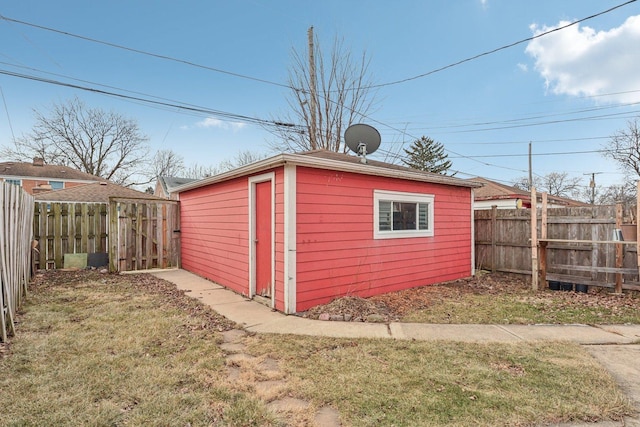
[[40, 170], [323, 159], [98, 192]]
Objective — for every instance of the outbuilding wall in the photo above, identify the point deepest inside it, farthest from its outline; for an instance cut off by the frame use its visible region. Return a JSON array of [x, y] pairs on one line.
[[337, 254], [215, 234]]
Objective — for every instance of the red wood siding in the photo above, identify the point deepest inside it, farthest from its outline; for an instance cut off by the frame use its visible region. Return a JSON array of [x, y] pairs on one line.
[[215, 234], [336, 252], [279, 240]]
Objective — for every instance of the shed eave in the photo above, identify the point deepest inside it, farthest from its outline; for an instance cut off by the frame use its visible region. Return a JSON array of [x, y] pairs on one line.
[[330, 164]]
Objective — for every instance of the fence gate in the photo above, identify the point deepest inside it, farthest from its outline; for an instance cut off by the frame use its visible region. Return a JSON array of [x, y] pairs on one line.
[[148, 234]]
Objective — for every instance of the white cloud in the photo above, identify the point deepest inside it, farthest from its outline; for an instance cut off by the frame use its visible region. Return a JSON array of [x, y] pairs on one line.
[[484, 3], [211, 122], [581, 61], [523, 67]]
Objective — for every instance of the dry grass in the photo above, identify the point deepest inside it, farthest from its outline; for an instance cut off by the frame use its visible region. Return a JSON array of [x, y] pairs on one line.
[[382, 382], [132, 350], [115, 350]]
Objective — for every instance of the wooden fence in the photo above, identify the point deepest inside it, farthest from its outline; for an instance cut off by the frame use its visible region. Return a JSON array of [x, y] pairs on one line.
[[502, 244], [68, 228], [133, 234], [16, 215], [148, 234]]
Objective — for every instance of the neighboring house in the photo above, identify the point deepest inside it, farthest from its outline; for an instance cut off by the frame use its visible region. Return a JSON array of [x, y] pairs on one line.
[[96, 192], [37, 176], [165, 186], [304, 229], [507, 197]]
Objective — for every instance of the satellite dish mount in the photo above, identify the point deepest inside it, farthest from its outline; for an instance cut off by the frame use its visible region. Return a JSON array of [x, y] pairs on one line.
[[362, 139]]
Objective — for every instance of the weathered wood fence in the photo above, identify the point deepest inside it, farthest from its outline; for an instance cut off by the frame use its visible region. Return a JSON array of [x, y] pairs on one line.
[[148, 234], [68, 228], [134, 234], [16, 215], [502, 244]]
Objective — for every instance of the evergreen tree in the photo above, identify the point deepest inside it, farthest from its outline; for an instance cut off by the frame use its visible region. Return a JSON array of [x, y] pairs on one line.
[[427, 155]]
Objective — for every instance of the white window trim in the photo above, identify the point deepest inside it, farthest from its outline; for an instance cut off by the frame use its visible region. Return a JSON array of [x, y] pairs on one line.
[[397, 196]]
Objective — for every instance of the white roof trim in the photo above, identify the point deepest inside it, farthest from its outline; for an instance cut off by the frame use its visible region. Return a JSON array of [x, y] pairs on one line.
[[330, 164]]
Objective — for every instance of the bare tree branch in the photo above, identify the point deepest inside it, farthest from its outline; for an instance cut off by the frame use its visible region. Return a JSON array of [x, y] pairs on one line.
[[101, 143], [342, 97]]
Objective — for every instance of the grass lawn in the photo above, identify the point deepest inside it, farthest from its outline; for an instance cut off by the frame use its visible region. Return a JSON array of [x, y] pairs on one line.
[[131, 350]]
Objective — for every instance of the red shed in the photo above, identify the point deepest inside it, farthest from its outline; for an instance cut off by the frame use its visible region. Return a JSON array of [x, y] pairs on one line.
[[304, 229]]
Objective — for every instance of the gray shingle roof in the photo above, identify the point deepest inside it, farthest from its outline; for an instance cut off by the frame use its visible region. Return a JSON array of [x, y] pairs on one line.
[[20, 169], [98, 192]]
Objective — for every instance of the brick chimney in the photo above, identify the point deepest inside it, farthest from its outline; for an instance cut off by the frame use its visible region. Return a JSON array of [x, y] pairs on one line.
[[43, 188], [38, 161]]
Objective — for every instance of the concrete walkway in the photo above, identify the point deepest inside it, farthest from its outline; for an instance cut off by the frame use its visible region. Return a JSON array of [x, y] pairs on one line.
[[255, 317], [616, 347]]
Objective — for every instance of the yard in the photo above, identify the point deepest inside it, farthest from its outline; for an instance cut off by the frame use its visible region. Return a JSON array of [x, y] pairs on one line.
[[489, 299], [97, 349]]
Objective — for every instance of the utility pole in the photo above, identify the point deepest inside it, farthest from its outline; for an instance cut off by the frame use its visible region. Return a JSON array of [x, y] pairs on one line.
[[313, 95], [592, 184], [530, 170]]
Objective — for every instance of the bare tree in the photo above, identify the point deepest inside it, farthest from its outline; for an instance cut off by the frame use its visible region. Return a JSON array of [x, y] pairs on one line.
[[101, 143], [198, 171], [328, 95], [624, 148], [617, 193], [558, 184], [167, 163]]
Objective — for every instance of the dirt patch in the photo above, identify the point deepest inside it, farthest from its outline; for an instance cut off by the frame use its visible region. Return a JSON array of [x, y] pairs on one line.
[[394, 306]]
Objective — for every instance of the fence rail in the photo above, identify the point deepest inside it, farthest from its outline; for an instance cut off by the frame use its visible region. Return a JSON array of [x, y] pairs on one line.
[[68, 228], [577, 254], [16, 216], [133, 234]]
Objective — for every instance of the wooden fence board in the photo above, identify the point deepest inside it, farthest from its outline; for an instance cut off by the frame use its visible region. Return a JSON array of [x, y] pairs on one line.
[[16, 217], [147, 234], [62, 228], [590, 258]]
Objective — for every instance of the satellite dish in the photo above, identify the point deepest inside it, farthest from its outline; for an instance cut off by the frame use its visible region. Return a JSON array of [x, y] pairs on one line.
[[362, 139]]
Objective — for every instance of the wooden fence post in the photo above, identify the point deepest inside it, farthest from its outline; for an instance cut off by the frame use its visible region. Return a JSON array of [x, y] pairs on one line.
[[534, 239], [494, 231], [638, 225], [542, 283], [619, 253]]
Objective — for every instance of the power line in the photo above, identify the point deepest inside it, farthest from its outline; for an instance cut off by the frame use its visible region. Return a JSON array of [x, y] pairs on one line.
[[143, 52], [564, 153], [507, 46], [4, 101], [191, 108]]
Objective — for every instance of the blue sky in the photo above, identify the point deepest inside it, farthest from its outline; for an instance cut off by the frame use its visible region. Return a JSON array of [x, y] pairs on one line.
[[566, 92]]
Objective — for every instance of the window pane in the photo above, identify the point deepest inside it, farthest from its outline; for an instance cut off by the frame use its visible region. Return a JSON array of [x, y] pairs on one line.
[[404, 216], [423, 216], [13, 181], [56, 185], [384, 215]]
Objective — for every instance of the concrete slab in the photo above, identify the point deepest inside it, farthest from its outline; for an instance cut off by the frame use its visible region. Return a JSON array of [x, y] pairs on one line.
[[631, 332], [581, 334], [301, 326], [623, 362], [461, 333], [185, 280]]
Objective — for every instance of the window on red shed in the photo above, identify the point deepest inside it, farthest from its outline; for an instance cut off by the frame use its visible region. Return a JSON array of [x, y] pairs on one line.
[[399, 215]]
